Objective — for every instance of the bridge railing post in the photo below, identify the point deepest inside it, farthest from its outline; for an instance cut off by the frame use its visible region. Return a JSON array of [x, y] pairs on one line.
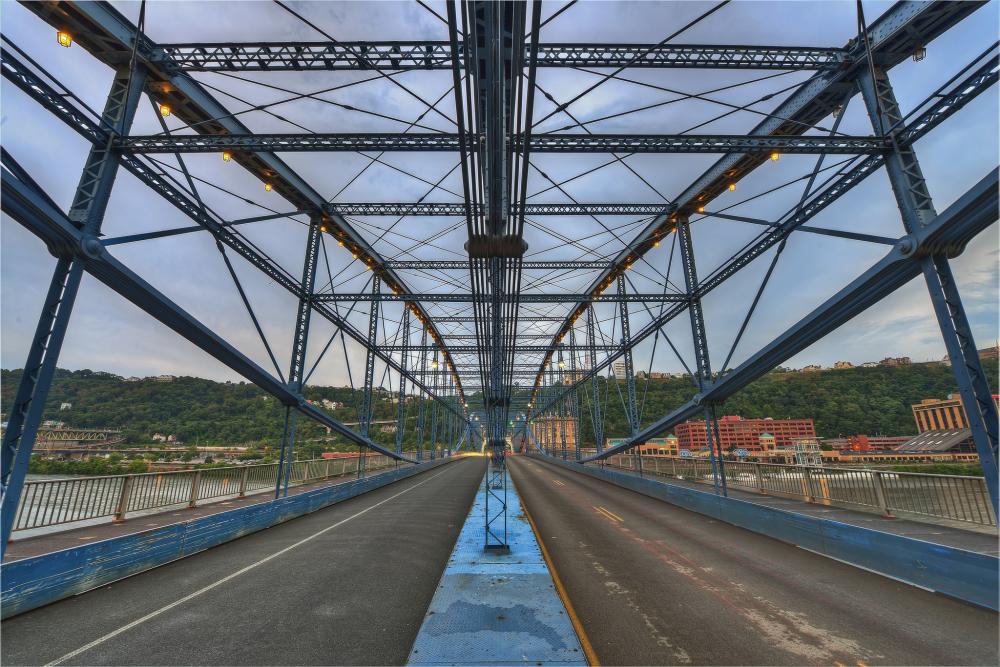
[[123, 495], [244, 474], [807, 485], [880, 495], [195, 487]]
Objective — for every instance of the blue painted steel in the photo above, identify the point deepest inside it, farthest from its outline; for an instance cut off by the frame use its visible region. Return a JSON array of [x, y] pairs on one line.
[[44, 579], [961, 574], [917, 211], [496, 608], [86, 213], [404, 359]]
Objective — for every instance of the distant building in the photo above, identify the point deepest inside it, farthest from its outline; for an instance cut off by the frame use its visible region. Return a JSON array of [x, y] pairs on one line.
[[954, 441], [619, 370], [332, 405], [869, 364], [866, 443], [667, 446], [165, 378], [65, 406], [807, 452], [985, 353], [739, 433], [549, 431], [811, 368], [133, 379], [932, 414], [843, 364], [895, 361]]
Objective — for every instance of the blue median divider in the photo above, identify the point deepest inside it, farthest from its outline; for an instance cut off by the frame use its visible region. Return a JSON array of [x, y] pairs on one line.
[[495, 608], [966, 575], [40, 580]]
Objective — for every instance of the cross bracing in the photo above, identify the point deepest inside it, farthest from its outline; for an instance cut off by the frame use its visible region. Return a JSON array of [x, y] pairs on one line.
[[492, 272]]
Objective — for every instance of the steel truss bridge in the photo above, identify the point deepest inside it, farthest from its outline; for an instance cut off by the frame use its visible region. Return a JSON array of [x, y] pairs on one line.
[[501, 295]]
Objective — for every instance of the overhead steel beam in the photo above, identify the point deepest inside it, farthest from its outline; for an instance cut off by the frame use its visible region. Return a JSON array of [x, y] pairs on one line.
[[109, 36], [541, 143], [893, 37], [457, 209], [437, 55], [474, 349], [524, 298], [462, 265]]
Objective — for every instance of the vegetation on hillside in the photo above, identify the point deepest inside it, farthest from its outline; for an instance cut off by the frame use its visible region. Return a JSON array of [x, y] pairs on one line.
[[874, 401]]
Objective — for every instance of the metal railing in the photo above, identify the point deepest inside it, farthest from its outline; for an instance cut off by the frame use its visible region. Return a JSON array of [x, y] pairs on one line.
[[951, 497], [63, 501]]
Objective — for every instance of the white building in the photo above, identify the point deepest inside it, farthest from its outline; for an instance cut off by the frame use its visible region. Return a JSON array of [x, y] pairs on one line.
[[65, 406], [619, 370]]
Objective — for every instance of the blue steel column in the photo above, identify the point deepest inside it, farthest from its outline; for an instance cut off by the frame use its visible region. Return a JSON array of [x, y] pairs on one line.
[[403, 362], [574, 408], [434, 406], [422, 409], [595, 403], [297, 367], [631, 405], [917, 210], [87, 210], [561, 423], [366, 406], [700, 342]]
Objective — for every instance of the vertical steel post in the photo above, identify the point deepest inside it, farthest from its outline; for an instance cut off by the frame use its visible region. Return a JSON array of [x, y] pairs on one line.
[[917, 210], [366, 405], [403, 362], [434, 406], [575, 396], [422, 408], [300, 339], [699, 339], [595, 386], [87, 211], [631, 405], [562, 404]]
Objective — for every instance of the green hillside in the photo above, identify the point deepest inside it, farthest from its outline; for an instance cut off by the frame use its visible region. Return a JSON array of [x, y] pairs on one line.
[[198, 411]]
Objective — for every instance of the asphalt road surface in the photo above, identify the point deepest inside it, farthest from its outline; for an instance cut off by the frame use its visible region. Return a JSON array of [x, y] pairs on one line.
[[348, 584], [654, 584]]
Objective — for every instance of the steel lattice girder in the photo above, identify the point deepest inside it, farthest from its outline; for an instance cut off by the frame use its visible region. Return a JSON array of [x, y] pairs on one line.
[[475, 349], [431, 55], [524, 298], [457, 209], [463, 265], [35, 212], [106, 33], [30, 83], [892, 38], [972, 213], [546, 143]]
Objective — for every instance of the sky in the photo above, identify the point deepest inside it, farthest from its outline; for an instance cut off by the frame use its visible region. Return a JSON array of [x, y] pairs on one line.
[[107, 333]]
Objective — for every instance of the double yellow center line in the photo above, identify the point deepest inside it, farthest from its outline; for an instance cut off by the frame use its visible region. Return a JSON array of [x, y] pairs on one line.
[[608, 514]]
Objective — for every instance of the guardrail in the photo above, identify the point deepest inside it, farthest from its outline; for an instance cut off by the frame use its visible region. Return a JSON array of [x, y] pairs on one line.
[[62, 501], [951, 497]]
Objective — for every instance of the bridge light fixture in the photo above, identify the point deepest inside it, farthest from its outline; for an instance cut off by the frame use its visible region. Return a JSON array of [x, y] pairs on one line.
[[340, 243], [322, 228], [656, 244], [919, 53], [268, 187], [774, 156], [64, 39], [434, 365], [732, 187], [701, 209], [226, 156], [164, 109], [562, 364], [837, 110]]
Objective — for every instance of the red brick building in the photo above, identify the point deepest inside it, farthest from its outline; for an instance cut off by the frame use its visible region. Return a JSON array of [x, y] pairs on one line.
[[740, 433]]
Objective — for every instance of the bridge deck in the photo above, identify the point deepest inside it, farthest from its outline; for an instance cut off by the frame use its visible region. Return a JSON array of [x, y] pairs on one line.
[[345, 585], [656, 584]]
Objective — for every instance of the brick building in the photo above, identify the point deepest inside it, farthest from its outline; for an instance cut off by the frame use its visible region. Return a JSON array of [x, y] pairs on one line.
[[751, 434], [932, 414]]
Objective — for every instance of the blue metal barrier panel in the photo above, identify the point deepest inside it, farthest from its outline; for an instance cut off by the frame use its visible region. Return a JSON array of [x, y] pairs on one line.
[[496, 609]]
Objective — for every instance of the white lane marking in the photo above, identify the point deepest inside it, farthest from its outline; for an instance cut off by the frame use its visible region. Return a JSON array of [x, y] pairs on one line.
[[154, 614]]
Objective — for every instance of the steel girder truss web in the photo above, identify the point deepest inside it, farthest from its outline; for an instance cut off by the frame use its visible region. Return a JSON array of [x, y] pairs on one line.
[[494, 90]]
